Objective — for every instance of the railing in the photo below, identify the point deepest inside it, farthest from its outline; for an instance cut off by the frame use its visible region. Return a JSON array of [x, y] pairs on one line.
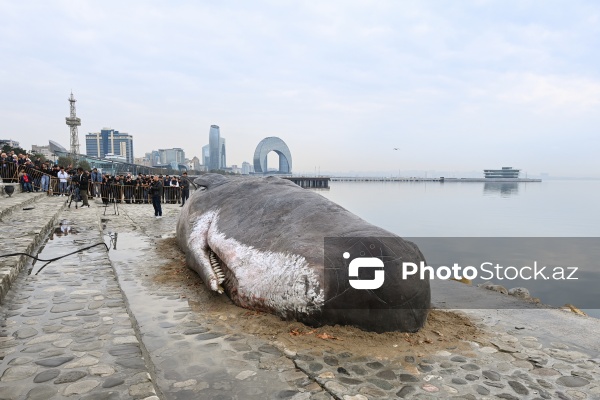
[[134, 194], [9, 172], [108, 192], [40, 181]]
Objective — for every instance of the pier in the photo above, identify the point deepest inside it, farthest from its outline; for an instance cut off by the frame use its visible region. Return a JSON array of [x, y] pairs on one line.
[[310, 182], [322, 182], [417, 179]]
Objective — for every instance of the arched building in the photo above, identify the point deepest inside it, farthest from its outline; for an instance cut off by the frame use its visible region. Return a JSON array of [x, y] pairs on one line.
[[268, 145]]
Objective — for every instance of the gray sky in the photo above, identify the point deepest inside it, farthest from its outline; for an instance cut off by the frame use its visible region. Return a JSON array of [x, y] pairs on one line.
[[456, 85]]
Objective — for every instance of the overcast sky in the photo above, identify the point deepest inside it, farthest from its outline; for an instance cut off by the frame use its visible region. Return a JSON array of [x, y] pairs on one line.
[[455, 85]]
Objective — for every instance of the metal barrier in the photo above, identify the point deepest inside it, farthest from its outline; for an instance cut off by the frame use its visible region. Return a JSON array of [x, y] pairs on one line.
[[39, 180], [9, 172], [12, 173], [137, 194], [108, 192]]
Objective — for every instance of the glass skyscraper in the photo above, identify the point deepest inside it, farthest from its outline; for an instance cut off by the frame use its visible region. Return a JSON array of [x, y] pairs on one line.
[[109, 141], [216, 149]]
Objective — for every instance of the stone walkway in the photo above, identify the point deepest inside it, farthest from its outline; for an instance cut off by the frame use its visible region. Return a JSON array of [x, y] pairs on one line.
[[98, 326], [66, 333], [26, 218]]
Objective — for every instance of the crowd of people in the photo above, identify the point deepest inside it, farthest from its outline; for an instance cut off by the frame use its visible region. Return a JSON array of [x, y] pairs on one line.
[[45, 176]]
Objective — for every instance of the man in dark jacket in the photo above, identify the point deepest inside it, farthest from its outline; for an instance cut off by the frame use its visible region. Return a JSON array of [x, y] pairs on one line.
[[156, 189], [84, 185], [185, 189]]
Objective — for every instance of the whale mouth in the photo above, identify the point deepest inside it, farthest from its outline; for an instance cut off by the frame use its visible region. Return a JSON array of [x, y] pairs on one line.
[[217, 266]]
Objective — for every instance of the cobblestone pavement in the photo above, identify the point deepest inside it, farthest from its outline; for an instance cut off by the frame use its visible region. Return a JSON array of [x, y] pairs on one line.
[[96, 326], [66, 332], [194, 355], [23, 230]]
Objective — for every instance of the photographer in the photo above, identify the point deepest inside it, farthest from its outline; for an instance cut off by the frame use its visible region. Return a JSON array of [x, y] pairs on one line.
[[128, 188], [147, 181], [117, 189], [83, 181], [106, 185]]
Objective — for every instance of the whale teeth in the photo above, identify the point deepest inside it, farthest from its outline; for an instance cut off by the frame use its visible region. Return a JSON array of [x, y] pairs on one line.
[[216, 266]]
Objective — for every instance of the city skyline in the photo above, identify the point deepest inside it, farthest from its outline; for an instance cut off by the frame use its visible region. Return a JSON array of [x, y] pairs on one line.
[[454, 86]]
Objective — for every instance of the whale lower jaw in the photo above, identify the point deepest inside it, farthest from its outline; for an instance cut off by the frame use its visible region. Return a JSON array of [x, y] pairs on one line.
[[215, 264], [279, 283]]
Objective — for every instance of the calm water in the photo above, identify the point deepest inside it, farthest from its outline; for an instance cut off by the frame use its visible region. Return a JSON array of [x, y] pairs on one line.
[[553, 208], [546, 209]]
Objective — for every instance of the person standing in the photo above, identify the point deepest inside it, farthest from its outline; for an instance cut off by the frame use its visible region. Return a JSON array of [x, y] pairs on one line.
[[128, 185], [84, 186], [105, 188], [166, 191], [156, 190], [185, 189], [117, 189], [45, 179], [62, 178], [174, 187], [96, 182]]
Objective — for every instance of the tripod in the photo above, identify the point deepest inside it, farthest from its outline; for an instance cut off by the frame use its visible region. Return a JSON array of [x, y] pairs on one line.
[[115, 208], [112, 198], [73, 195]]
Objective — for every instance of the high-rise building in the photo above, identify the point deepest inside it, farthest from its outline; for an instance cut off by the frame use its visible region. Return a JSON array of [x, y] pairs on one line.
[[246, 168], [195, 164], [10, 142], [153, 157], [168, 156], [222, 159], [109, 141], [205, 155], [43, 150], [216, 147], [142, 161]]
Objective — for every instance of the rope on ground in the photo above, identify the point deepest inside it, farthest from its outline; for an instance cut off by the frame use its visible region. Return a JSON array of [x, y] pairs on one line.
[[55, 258]]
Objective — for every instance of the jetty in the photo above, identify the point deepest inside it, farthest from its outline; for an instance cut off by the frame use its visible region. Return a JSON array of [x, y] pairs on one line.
[[419, 179]]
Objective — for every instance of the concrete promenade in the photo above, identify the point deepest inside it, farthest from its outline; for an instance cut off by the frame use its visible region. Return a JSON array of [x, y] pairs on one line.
[[133, 323]]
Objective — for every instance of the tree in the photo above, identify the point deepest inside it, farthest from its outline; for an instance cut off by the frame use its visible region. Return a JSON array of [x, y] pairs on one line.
[[64, 161], [84, 164], [7, 149], [41, 156]]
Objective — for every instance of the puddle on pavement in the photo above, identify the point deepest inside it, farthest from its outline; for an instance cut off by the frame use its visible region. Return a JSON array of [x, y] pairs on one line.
[[62, 232]]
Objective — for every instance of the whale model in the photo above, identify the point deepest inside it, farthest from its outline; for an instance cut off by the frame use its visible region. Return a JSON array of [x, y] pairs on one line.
[[275, 247]]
